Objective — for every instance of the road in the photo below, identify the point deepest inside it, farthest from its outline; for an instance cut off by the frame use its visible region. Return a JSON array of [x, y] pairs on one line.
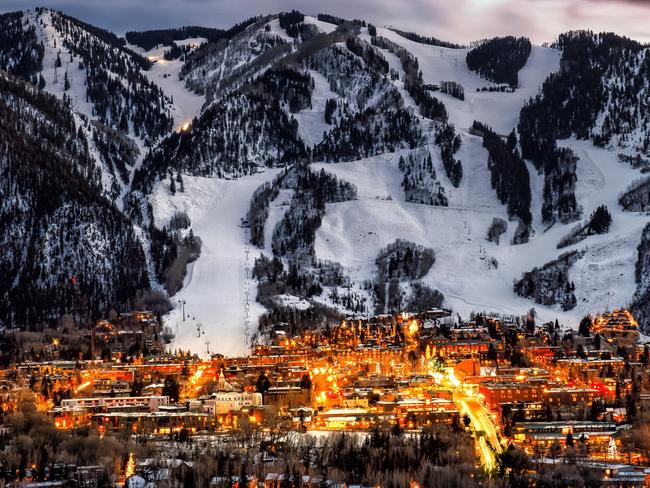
[[482, 423], [485, 430]]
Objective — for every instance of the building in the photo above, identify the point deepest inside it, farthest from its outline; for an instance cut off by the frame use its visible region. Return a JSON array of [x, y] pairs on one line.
[[497, 393], [223, 403], [150, 403], [618, 326], [566, 397], [594, 438]]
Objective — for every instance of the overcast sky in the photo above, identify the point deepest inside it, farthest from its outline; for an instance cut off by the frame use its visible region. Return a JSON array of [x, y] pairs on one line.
[[455, 20]]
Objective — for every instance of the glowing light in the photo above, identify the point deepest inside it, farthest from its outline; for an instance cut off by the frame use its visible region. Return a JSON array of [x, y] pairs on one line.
[[83, 386], [413, 327], [130, 466]]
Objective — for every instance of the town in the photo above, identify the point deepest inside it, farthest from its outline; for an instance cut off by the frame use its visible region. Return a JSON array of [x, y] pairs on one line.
[[532, 397]]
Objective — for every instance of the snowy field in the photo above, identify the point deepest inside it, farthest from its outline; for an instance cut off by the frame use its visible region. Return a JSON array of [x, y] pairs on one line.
[[214, 288], [499, 110], [311, 121]]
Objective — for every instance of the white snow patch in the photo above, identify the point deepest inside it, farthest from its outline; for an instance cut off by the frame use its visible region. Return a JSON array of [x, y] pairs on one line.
[[165, 73], [291, 301], [279, 31]]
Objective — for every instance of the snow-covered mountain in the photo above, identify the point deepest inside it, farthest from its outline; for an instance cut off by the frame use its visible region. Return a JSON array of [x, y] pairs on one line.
[[324, 168]]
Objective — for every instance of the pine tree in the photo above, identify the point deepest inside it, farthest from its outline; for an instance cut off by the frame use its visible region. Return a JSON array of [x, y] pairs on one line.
[[584, 329], [600, 220]]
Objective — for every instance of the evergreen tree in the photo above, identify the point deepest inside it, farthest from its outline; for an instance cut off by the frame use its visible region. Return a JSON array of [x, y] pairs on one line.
[[584, 329], [600, 220]]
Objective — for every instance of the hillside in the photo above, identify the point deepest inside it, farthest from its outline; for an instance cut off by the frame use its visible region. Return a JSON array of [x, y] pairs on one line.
[[66, 249], [292, 171]]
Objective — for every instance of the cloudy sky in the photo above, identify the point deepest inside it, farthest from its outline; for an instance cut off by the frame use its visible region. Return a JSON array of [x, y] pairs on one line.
[[455, 20]]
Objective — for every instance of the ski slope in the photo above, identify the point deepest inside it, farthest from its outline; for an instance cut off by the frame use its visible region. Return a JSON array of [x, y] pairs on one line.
[[165, 73], [214, 287], [499, 110], [354, 232], [473, 274], [311, 121]]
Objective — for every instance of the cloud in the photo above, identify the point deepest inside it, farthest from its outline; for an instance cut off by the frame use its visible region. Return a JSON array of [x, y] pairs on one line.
[[457, 20]]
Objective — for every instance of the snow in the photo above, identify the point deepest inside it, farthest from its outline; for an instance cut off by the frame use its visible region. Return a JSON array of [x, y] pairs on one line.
[[376, 178], [54, 84], [325, 27], [475, 190], [214, 288], [354, 232], [165, 73], [311, 121], [499, 110], [54, 78], [395, 64], [279, 31], [605, 276], [292, 301]]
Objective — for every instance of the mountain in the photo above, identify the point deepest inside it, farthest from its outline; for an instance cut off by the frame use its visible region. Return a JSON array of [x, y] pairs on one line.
[[65, 247], [295, 170]]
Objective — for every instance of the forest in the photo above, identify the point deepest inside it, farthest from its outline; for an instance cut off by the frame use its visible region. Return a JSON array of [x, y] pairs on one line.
[[604, 113], [295, 234], [235, 135], [149, 39], [508, 175], [399, 265], [430, 40], [420, 183], [117, 101], [641, 300], [550, 284], [54, 221], [499, 59], [369, 133], [449, 143], [20, 52]]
